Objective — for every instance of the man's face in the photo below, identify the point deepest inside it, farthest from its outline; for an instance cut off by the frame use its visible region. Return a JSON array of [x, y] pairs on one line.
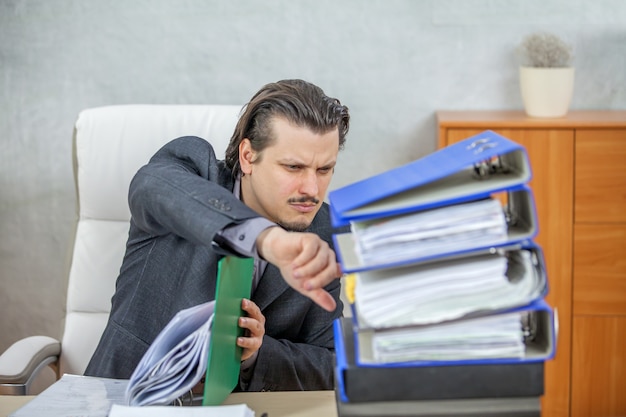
[[288, 180]]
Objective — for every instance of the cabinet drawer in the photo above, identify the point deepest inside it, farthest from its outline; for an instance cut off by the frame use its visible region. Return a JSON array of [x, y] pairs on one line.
[[600, 176], [599, 269]]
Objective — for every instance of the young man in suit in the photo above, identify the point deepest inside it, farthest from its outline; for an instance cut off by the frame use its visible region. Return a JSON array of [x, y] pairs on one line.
[[265, 200]]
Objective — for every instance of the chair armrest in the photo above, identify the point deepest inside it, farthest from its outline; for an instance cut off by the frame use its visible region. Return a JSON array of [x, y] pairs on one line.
[[23, 358]]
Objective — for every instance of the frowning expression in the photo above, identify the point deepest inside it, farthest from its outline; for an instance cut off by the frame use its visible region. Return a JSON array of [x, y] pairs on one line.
[[287, 181]]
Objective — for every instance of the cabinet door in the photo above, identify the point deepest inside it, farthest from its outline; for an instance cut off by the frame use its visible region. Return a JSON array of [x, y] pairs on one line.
[[599, 294], [600, 223], [600, 176], [600, 269], [551, 154], [598, 367]]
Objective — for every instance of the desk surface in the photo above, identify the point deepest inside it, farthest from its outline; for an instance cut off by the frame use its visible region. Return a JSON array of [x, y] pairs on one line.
[[275, 404]]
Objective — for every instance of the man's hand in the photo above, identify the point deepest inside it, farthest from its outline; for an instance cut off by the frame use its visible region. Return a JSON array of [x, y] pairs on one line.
[[254, 324], [306, 262]]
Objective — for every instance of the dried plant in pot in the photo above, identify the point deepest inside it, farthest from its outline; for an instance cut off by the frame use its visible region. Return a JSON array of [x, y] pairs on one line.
[[546, 75]]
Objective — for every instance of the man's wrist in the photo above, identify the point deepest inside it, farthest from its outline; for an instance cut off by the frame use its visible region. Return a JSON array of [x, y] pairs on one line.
[[247, 363], [265, 238]]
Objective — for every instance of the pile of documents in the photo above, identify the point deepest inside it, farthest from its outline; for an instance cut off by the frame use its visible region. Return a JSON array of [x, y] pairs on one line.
[[177, 359], [444, 277], [430, 232], [434, 292]]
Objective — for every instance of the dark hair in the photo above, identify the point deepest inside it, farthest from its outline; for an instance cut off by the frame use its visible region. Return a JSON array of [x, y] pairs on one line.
[[298, 101]]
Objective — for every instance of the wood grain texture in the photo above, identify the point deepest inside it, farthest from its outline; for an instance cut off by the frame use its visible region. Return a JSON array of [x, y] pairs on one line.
[[600, 269], [517, 119], [600, 188], [598, 367]]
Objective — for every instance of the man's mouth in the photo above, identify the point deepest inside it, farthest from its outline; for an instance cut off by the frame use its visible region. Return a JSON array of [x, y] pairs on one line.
[[304, 204]]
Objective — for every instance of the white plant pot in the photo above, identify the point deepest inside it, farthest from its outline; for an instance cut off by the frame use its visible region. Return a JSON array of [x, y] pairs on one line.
[[546, 92]]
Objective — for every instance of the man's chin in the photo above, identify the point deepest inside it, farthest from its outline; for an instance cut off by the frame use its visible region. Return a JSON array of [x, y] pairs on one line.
[[296, 224]]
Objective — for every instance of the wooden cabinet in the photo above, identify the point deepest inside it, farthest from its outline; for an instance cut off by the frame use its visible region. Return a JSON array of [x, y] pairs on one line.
[[579, 184]]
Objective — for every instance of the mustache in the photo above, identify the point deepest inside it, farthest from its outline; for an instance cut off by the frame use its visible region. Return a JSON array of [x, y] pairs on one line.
[[303, 200]]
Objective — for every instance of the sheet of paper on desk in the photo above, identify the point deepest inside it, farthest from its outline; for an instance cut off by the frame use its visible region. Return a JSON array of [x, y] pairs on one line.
[[75, 395], [237, 410], [85, 396]]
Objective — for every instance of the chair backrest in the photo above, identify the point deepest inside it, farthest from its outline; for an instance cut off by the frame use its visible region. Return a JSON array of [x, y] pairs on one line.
[[110, 145]]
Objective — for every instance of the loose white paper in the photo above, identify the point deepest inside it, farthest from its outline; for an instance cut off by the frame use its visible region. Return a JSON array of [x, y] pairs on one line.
[[236, 410], [176, 361], [77, 396]]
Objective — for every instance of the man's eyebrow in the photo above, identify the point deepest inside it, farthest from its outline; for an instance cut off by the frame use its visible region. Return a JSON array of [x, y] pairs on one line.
[[292, 161]]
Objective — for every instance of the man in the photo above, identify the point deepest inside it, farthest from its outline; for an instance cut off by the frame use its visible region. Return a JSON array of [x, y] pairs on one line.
[[265, 200]]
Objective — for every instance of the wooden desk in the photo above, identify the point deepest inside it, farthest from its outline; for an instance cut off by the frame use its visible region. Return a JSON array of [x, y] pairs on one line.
[[288, 403], [275, 404], [10, 403]]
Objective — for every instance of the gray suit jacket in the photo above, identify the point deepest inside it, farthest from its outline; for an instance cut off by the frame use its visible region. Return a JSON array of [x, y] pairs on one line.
[[179, 201]]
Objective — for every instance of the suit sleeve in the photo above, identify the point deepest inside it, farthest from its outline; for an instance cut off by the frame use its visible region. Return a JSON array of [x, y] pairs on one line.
[[179, 191]]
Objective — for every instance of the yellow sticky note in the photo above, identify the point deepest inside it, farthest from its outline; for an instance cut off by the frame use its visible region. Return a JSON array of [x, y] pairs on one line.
[[350, 281]]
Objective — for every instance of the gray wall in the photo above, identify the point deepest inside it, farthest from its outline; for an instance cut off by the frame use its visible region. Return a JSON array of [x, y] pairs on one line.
[[393, 62]]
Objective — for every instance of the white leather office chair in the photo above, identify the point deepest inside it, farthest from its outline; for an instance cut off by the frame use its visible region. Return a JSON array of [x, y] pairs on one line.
[[110, 145]]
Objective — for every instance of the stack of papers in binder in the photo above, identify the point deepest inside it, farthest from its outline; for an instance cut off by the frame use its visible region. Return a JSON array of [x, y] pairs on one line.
[[434, 292], [449, 229], [443, 270]]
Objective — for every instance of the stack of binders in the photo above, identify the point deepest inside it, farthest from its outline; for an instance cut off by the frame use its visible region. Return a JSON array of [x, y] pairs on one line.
[[447, 287]]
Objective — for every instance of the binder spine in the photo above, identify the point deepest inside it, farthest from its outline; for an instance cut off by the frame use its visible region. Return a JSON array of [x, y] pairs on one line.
[[340, 359]]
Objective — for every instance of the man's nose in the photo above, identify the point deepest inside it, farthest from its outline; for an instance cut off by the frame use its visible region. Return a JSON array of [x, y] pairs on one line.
[[309, 183]]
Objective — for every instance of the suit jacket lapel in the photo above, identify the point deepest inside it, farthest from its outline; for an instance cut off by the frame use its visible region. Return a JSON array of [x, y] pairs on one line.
[[271, 285]]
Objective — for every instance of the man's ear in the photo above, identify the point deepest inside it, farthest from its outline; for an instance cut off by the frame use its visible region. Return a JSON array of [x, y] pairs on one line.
[[246, 156]]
